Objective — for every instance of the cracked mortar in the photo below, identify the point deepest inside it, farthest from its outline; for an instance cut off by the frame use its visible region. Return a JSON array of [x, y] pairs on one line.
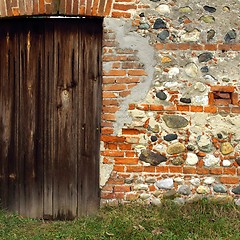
[[129, 39]]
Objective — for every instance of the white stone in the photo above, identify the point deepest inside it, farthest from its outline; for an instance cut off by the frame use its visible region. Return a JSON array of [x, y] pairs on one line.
[[178, 180], [192, 159], [137, 113], [200, 87], [209, 180], [191, 69], [165, 183], [171, 84], [145, 196], [195, 181], [204, 141], [174, 71], [210, 161], [105, 172], [192, 36], [163, 9], [237, 202], [156, 202], [226, 163]]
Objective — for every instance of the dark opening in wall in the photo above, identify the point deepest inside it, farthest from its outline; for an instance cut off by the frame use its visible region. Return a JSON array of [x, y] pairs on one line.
[[223, 96]]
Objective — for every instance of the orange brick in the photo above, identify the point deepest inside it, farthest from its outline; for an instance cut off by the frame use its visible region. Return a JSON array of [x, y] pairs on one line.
[[134, 169], [202, 171], [184, 46], [210, 109], [224, 109], [211, 47], [107, 195], [112, 153], [183, 108], [132, 196], [162, 169], [144, 107], [112, 146], [111, 109], [137, 72], [108, 7], [128, 80], [126, 161], [201, 154], [235, 47], [230, 171], [107, 188], [125, 146], [118, 168], [109, 117], [130, 131], [107, 102], [124, 7], [122, 189], [222, 102], [159, 46], [114, 72], [234, 98], [113, 139], [130, 154], [189, 170], [109, 95], [124, 93], [149, 169], [196, 108], [171, 46], [222, 89], [121, 14], [196, 47], [216, 171], [106, 131], [175, 169], [119, 195], [170, 108], [114, 87], [156, 107], [224, 47], [238, 171], [152, 188], [229, 180]]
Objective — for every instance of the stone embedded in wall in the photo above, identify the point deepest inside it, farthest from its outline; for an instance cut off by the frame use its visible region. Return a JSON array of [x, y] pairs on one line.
[[210, 161], [205, 57], [176, 148], [209, 9], [207, 19], [163, 35], [219, 188], [192, 159], [163, 9], [186, 9], [191, 70], [177, 161], [170, 137], [236, 190], [161, 95], [144, 26], [210, 35], [175, 121], [209, 180], [165, 184], [171, 194], [192, 36], [185, 100], [226, 163], [184, 190], [204, 143], [195, 181], [203, 190], [230, 36], [151, 157], [226, 148], [159, 23], [238, 161]]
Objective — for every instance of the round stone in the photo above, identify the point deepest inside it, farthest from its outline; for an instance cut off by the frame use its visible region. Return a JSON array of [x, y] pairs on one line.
[[141, 187], [184, 190], [204, 69], [171, 194], [185, 100], [209, 9], [175, 121], [176, 148], [204, 143], [179, 201], [192, 159], [163, 9], [203, 190], [192, 36], [207, 19], [185, 9], [161, 95], [226, 148], [200, 87], [156, 202], [153, 138], [145, 196], [162, 36], [210, 161], [165, 184], [231, 35], [195, 181], [166, 59], [219, 188], [205, 57], [226, 9], [210, 34], [170, 137], [226, 163], [144, 26], [209, 180], [219, 135], [190, 148], [178, 161]]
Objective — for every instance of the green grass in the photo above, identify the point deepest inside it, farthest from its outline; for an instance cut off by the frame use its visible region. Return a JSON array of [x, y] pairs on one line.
[[199, 220]]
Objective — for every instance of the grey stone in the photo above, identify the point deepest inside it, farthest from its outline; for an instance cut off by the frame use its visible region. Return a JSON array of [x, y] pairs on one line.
[[204, 69], [191, 148], [209, 180], [153, 138], [209, 9], [176, 148], [159, 23], [207, 19], [175, 121], [219, 135], [171, 194], [205, 57], [141, 187], [156, 202], [128, 180], [161, 95], [151, 157], [236, 190], [210, 161], [230, 36], [237, 202], [179, 201], [184, 190], [226, 79], [182, 19], [204, 143], [145, 196], [144, 26], [238, 161], [162, 36], [191, 70], [165, 184], [178, 161], [192, 36], [185, 100], [157, 193], [210, 34], [219, 188], [170, 137]]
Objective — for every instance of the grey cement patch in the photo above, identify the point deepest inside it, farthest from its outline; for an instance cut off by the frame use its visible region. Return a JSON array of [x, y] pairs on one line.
[[130, 39]]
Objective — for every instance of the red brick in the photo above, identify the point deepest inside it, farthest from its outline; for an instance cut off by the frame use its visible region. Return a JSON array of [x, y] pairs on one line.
[[159, 46], [130, 154], [229, 180], [144, 107], [235, 47], [112, 153], [126, 146], [112, 139], [183, 46], [130, 131], [109, 95], [156, 107], [124, 7], [211, 47], [114, 87], [183, 108], [122, 189], [114, 72], [222, 102], [216, 171], [210, 109], [121, 14], [107, 195], [202, 171], [126, 161], [119, 195], [234, 98], [195, 46], [137, 72], [108, 7], [189, 170], [196, 108], [224, 47], [171, 46], [162, 169], [222, 88], [109, 117], [175, 169], [134, 169], [229, 171], [112, 146], [149, 169], [128, 80]]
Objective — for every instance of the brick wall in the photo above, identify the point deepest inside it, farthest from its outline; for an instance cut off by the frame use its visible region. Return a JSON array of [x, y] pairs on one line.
[[192, 77]]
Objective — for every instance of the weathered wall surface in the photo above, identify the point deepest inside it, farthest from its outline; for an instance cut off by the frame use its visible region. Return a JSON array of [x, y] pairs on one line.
[[170, 101], [170, 121]]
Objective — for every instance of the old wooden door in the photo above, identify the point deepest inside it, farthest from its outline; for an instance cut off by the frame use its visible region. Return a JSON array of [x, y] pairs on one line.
[[50, 100]]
